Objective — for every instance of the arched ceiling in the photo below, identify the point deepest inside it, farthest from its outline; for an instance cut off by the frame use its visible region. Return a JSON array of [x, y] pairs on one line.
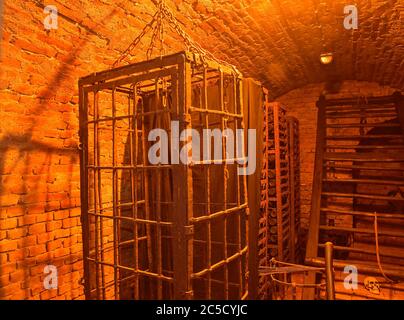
[[279, 42]]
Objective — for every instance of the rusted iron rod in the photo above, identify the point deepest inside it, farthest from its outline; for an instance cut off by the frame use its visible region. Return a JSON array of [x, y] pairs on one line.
[[218, 214], [395, 97], [329, 269], [222, 263]]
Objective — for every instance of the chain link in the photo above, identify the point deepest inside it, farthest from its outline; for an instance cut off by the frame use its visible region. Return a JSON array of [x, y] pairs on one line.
[[135, 42], [157, 24]]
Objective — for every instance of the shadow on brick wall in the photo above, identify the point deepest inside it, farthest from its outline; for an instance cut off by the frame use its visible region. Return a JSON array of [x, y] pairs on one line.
[[35, 202]]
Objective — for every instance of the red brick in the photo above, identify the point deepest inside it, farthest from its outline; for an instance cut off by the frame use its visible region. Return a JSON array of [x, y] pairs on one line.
[[11, 289], [16, 255], [37, 228], [26, 220], [68, 223], [44, 237], [9, 223], [36, 250], [61, 252], [53, 225], [53, 245], [17, 233], [28, 241], [17, 276], [61, 215], [8, 245], [48, 294]]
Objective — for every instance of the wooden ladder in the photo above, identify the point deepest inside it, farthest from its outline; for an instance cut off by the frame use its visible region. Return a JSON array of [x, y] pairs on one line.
[[359, 171]]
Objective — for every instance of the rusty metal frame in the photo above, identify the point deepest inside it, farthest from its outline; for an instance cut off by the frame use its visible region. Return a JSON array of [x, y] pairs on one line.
[[153, 231], [294, 171], [276, 220], [263, 228], [354, 113], [279, 204]]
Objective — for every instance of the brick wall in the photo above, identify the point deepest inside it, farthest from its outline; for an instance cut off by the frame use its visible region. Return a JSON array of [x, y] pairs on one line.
[[301, 103], [39, 164]]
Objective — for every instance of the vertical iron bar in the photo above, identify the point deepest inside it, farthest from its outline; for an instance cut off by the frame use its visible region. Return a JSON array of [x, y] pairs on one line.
[[134, 177], [96, 235], [158, 104], [209, 231], [245, 192], [292, 187], [97, 190], [225, 180], [275, 110], [329, 262], [238, 224], [183, 197], [146, 193], [115, 220], [84, 190]]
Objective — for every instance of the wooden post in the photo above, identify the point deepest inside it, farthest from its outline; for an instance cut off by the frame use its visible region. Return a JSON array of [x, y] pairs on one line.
[[312, 242], [329, 268], [254, 119], [83, 101], [182, 181], [400, 109]]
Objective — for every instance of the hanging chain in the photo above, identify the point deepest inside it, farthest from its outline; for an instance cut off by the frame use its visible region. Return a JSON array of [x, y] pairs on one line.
[[157, 24], [161, 29], [135, 42]]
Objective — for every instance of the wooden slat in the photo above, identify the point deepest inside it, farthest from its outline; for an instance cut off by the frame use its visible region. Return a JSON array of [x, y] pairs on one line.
[[373, 115], [400, 112], [361, 167], [365, 157], [358, 107], [365, 137], [369, 101], [362, 196], [380, 215], [364, 231], [398, 255], [365, 147], [366, 181], [313, 235], [356, 111], [363, 267], [363, 125]]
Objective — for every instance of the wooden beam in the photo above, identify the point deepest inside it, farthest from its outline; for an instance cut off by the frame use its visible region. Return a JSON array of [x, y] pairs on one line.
[[316, 199]]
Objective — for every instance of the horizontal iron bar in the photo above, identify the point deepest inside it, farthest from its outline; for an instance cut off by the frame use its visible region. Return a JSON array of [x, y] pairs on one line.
[[363, 268], [217, 214], [366, 181], [359, 195], [394, 98], [363, 231], [380, 215], [359, 250]]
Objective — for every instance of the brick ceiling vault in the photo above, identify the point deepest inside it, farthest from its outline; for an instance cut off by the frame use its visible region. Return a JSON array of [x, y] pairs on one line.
[[279, 41]]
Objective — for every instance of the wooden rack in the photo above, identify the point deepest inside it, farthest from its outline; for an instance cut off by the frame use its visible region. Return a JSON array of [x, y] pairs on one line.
[[279, 208], [294, 171], [356, 201]]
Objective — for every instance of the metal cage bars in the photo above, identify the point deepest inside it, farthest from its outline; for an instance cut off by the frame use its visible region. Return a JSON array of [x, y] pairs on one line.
[[147, 238]]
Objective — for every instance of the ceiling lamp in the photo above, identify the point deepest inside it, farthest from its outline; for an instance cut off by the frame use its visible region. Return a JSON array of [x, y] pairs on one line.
[[326, 58]]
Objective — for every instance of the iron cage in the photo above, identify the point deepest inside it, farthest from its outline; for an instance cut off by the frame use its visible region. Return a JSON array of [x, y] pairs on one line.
[[168, 230]]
